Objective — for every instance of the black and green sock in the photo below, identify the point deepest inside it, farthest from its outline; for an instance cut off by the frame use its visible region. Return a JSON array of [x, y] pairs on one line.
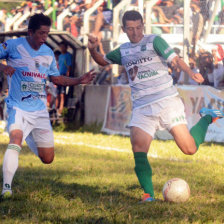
[[199, 130], [144, 172]]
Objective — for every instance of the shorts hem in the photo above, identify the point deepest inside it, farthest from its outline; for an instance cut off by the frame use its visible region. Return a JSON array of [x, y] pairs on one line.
[[130, 125]]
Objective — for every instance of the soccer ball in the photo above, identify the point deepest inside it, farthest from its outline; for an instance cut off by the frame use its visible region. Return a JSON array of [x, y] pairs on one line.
[[176, 190]]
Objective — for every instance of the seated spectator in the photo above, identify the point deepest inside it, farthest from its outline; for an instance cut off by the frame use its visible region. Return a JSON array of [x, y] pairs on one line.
[[221, 21], [169, 9], [197, 24], [158, 17], [67, 24], [206, 67], [74, 29], [104, 18], [193, 67]]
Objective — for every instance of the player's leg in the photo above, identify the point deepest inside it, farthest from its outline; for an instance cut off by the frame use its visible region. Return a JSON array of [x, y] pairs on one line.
[[142, 129], [46, 154], [43, 140], [199, 130], [176, 122], [141, 141], [16, 129], [189, 142], [11, 161], [183, 139]]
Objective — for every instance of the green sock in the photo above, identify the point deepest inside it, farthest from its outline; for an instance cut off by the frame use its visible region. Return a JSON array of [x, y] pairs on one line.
[[144, 172], [198, 131]]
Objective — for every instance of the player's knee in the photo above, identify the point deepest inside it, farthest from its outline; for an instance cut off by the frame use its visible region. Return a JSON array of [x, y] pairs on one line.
[[189, 150], [47, 159]]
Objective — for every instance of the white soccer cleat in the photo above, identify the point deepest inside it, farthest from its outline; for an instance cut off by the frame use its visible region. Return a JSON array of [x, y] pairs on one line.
[[7, 194]]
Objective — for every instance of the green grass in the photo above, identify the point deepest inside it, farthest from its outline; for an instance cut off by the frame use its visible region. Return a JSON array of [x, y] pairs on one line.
[[89, 183]]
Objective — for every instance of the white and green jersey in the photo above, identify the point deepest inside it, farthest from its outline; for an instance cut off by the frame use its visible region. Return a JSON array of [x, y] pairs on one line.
[[146, 65]]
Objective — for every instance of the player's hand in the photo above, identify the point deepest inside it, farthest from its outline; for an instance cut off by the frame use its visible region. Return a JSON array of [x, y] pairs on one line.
[[88, 77], [197, 77], [92, 41], [8, 70]]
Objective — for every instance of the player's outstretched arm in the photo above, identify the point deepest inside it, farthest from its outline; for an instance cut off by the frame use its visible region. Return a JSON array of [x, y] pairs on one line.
[[67, 81], [197, 77], [92, 46], [7, 70]]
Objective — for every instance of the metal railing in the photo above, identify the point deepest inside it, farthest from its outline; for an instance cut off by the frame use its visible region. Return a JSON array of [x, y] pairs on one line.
[[12, 21]]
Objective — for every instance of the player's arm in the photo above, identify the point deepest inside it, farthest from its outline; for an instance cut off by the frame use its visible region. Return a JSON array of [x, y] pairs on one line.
[[4, 54], [164, 50], [67, 81], [113, 57], [92, 46], [197, 77], [6, 69]]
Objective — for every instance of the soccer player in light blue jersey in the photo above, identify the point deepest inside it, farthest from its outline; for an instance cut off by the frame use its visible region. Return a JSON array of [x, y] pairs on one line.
[[29, 63], [156, 104]]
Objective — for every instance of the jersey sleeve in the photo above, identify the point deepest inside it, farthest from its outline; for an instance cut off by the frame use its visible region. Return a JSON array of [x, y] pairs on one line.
[[163, 49], [5, 49], [113, 57], [53, 71]]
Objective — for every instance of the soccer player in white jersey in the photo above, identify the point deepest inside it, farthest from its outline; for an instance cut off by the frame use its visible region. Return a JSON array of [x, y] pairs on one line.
[[156, 104], [29, 63]]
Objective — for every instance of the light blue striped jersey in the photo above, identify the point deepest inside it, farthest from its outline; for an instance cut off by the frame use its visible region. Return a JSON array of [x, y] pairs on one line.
[[146, 65], [27, 84]]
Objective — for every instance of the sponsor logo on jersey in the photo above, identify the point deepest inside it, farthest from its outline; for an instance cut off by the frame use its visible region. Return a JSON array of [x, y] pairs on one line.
[[37, 64], [143, 48], [4, 45], [133, 72], [126, 52], [146, 74], [34, 75], [34, 97], [32, 87], [139, 61]]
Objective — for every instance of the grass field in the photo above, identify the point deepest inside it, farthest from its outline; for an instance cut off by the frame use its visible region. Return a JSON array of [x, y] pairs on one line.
[[92, 181]]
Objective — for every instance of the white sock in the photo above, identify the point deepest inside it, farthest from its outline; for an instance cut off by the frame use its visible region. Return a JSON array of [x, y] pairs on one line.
[[10, 165]]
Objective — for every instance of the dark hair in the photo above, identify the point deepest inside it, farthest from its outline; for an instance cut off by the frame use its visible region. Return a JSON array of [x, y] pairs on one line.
[[57, 52], [131, 15], [63, 43], [38, 20]]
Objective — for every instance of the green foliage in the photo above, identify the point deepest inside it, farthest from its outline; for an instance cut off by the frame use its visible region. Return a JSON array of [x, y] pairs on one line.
[[87, 183], [9, 5]]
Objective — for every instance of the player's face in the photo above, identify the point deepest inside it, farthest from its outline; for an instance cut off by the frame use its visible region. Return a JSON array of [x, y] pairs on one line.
[[134, 30], [39, 37]]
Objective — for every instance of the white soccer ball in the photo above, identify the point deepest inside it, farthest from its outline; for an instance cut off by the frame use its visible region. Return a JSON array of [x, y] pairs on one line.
[[176, 190]]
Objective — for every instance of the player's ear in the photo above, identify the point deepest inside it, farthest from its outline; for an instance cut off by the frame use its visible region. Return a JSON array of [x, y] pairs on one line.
[[123, 29], [30, 32]]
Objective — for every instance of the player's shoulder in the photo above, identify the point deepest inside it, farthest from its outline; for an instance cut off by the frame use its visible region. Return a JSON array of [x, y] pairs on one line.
[[44, 48], [150, 37], [15, 41]]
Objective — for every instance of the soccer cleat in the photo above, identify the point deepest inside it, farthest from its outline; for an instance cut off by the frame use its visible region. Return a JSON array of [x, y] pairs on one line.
[[147, 198], [6, 195], [214, 113]]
